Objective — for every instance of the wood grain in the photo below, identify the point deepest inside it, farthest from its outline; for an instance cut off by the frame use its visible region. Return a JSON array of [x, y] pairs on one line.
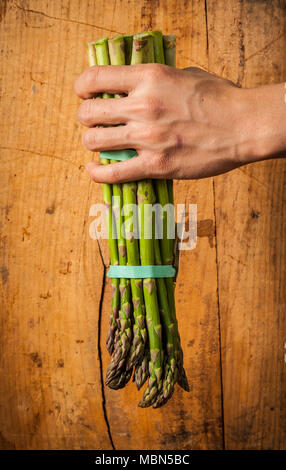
[[189, 420], [251, 218], [55, 297], [51, 396]]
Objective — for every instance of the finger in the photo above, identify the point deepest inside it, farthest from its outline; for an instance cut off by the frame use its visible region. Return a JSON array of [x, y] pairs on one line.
[[108, 78], [121, 172], [110, 138], [112, 111]]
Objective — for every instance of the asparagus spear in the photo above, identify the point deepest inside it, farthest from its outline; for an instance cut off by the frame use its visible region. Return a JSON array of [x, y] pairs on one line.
[[117, 57], [141, 366], [141, 372], [117, 375], [169, 41], [114, 373], [158, 46], [107, 199], [114, 259], [146, 198], [165, 195], [139, 328], [143, 52], [175, 358], [128, 43], [161, 185], [164, 370], [91, 53], [170, 369], [102, 57], [142, 49]]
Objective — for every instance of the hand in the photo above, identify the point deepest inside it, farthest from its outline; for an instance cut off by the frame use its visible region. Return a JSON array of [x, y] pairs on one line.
[[184, 124]]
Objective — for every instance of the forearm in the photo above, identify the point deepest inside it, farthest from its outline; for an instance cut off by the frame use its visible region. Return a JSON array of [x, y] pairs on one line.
[[264, 124]]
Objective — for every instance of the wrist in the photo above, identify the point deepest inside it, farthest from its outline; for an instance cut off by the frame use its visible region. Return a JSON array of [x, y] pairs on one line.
[[262, 123]]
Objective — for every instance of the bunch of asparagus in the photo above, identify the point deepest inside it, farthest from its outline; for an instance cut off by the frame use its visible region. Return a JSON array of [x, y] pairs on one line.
[[143, 337]]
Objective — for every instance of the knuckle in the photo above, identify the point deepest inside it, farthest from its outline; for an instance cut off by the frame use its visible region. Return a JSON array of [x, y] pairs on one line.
[[154, 72], [88, 138], [85, 112], [91, 75], [152, 108], [85, 81], [160, 134], [128, 132], [158, 163], [146, 134], [153, 134], [193, 69], [113, 173]]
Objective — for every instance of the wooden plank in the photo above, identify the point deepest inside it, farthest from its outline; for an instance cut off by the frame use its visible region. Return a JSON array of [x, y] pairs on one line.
[[50, 391], [250, 214], [189, 420], [52, 272]]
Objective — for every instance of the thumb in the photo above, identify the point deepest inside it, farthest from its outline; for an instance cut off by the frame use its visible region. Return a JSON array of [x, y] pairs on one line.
[[120, 172]]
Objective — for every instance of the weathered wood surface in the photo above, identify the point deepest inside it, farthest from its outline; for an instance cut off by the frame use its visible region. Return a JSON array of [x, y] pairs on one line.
[[251, 218], [54, 294]]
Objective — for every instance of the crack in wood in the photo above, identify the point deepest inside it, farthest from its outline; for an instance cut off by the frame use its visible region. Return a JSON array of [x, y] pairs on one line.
[[214, 235], [251, 56], [219, 322], [100, 357], [207, 32], [56, 157], [100, 253], [41, 13]]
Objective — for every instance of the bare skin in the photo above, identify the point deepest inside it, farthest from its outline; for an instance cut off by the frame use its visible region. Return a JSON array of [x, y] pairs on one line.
[[184, 124]]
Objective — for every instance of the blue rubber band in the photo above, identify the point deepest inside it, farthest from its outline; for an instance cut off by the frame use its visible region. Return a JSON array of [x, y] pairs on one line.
[[141, 272], [119, 155]]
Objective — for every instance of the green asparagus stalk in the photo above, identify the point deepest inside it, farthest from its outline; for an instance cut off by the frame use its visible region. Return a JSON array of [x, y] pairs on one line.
[[175, 358], [102, 57], [143, 52], [141, 372], [161, 185], [138, 347], [141, 364], [107, 199], [116, 48], [139, 327], [142, 49], [114, 259], [117, 57], [170, 369], [169, 41], [153, 300], [91, 53], [164, 196], [115, 376], [146, 199], [128, 43], [158, 46]]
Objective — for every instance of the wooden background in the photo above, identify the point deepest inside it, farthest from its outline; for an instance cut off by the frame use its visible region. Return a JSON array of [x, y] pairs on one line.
[[231, 291]]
